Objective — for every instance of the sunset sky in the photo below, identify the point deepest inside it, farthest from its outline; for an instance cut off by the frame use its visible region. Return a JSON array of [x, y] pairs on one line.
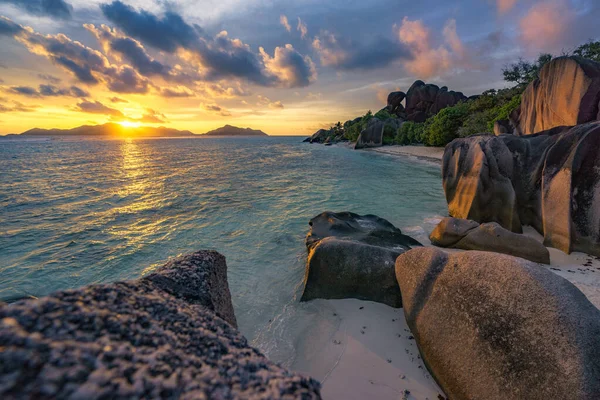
[[286, 67]]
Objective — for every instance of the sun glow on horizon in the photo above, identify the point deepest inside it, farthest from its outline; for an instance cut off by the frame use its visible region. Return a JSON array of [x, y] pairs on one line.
[[130, 124]]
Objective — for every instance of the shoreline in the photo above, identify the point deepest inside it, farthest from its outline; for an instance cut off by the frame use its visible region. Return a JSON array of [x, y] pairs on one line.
[[424, 153]]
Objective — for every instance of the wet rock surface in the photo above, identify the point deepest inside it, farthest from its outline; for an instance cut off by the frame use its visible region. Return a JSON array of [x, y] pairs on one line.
[[492, 326], [156, 337], [353, 256]]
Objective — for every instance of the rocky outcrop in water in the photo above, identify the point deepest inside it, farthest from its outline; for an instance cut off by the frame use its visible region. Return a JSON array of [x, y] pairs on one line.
[[425, 100], [319, 136], [567, 93], [169, 335], [469, 235], [549, 180], [353, 256], [491, 326]]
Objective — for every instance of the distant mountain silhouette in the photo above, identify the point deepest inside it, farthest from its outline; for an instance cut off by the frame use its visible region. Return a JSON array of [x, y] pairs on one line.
[[113, 129], [109, 129], [229, 130]]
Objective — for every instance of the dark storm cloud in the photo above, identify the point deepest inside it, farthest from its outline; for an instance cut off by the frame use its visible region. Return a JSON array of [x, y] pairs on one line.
[[292, 68], [81, 71], [125, 79], [50, 8], [48, 91], [25, 91], [77, 92], [95, 107], [9, 28], [220, 56], [138, 57], [73, 91], [89, 66], [133, 51], [348, 54], [167, 33], [225, 57]]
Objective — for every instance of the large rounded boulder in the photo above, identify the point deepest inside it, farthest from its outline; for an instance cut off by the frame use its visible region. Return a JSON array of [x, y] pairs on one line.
[[170, 335], [469, 235], [371, 136], [549, 180], [353, 256], [495, 327], [567, 92], [425, 100], [394, 102]]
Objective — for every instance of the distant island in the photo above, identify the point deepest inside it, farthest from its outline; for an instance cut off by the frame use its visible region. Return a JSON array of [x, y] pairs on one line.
[[229, 130], [109, 129], [114, 129]]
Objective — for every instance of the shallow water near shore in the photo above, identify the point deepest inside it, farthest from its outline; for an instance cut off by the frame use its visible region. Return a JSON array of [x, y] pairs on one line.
[[81, 211]]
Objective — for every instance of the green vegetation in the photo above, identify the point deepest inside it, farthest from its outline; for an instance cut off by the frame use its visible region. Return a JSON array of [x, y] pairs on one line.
[[443, 127], [389, 135], [383, 114], [410, 132], [464, 119], [523, 72], [354, 127], [590, 50]]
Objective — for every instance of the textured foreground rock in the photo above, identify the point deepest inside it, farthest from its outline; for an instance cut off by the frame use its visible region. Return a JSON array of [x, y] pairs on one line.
[[566, 93], [469, 235], [491, 326], [157, 337], [549, 180], [353, 256]]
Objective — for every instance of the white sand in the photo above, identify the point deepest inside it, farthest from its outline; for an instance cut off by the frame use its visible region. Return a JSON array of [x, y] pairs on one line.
[[582, 270], [380, 363], [383, 362], [434, 154]]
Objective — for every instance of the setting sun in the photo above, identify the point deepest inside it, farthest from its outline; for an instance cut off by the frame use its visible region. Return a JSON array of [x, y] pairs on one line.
[[130, 124]]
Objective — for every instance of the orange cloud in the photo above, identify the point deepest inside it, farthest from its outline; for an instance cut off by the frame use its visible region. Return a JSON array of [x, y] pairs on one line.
[[414, 34], [505, 6], [545, 25], [285, 23], [290, 67], [302, 28], [428, 60]]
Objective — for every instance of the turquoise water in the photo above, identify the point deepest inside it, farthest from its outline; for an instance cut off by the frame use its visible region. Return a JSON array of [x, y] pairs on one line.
[[78, 211]]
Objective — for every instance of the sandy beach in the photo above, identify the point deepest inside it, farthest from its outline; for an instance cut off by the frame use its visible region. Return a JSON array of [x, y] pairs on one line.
[[433, 154], [364, 350]]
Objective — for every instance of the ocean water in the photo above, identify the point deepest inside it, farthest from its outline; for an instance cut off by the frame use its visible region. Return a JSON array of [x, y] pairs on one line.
[[79, 211]]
